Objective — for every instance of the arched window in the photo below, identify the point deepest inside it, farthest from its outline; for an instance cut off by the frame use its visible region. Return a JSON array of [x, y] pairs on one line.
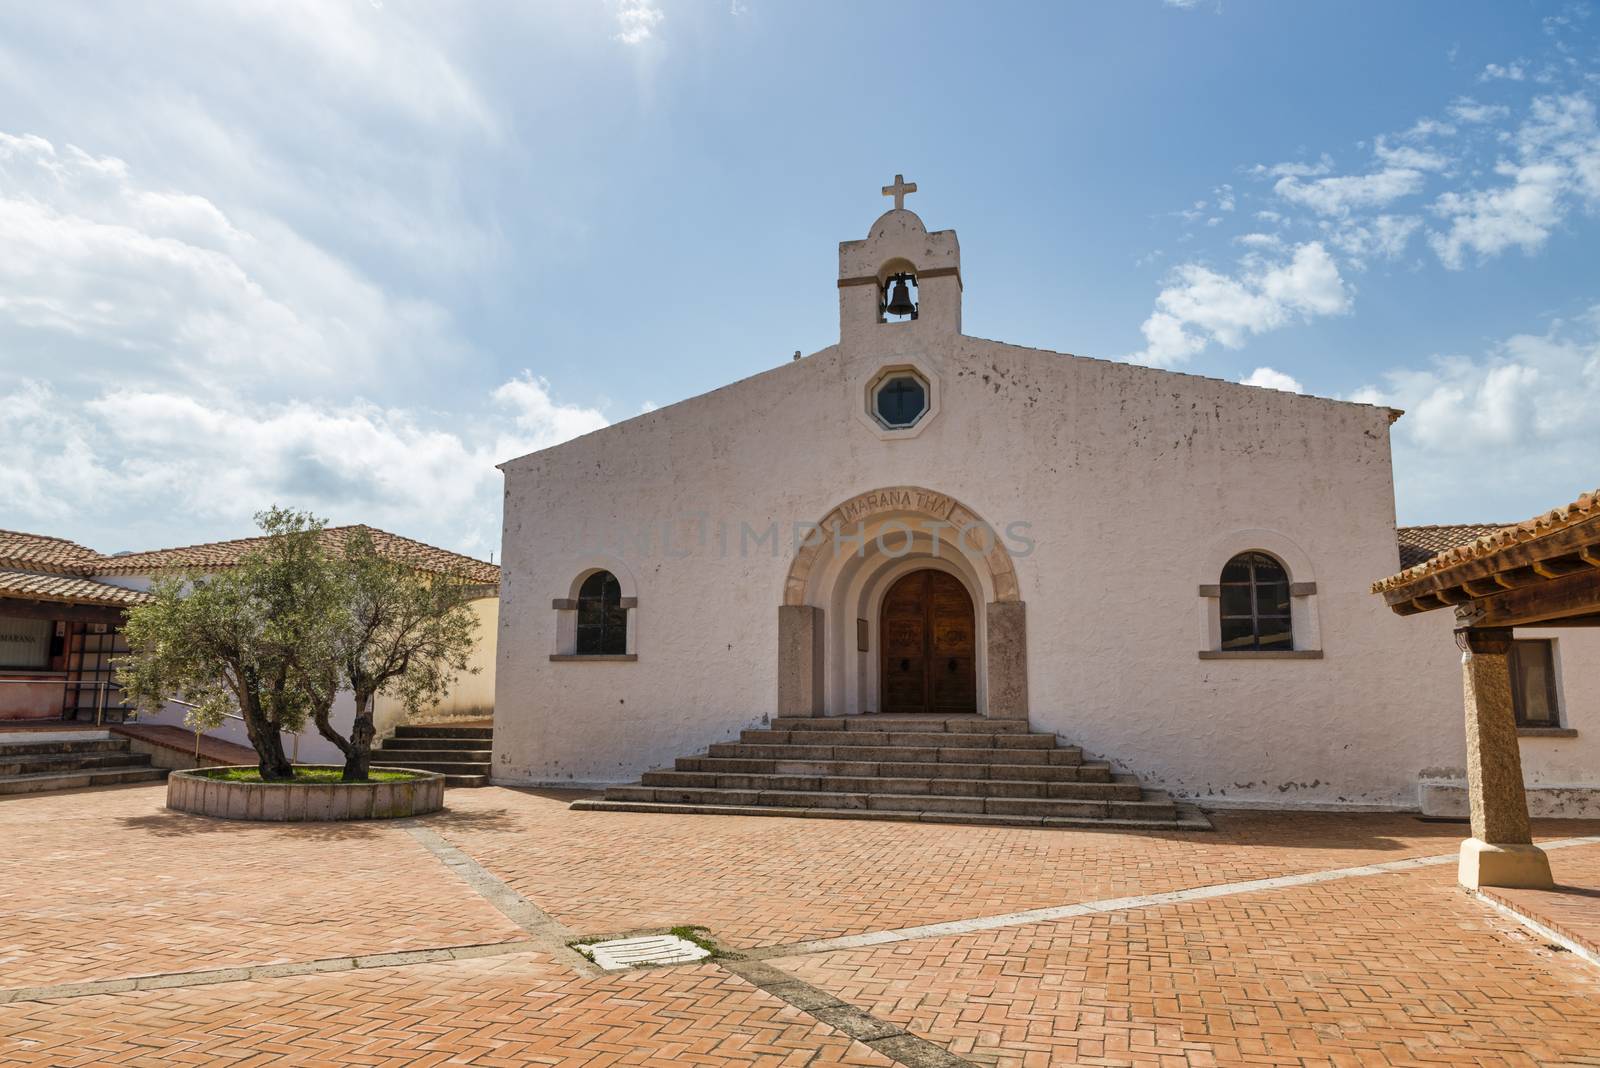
[[1255, 604], [602, 621]]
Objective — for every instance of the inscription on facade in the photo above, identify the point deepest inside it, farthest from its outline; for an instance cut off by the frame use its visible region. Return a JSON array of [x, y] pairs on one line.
[[906, 500]]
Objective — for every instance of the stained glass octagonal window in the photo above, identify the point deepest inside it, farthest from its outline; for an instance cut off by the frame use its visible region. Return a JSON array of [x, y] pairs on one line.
[[899, 400]]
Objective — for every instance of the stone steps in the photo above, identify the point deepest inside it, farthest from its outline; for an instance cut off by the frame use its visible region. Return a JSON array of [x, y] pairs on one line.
[[461, 754], [72, 780], [436, 756], [408, 744], [45, 760], [101, 743], [1086, 772], [1158, 808], [884, 784], [435, 730], [38, 763], [955, 769]]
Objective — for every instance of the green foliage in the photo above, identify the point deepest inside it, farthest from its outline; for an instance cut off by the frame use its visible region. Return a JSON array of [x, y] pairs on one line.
[[228, 643], [407, 632], [277, 637]]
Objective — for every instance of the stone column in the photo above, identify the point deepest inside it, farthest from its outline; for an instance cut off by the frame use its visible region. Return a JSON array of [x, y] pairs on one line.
[[799, 660], [1501, 850], [1007, 659]]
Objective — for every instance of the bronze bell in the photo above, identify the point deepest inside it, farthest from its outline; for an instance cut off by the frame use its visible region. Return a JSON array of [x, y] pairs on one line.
[[900, 298]]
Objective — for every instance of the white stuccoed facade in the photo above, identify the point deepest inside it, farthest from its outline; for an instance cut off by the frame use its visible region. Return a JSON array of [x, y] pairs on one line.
[[1116, 492]]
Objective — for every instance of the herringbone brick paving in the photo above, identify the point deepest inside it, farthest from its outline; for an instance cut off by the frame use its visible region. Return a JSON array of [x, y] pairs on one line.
[[762, 882], [1399, 969], [1366, 970], [502, 1011], [106, 884]]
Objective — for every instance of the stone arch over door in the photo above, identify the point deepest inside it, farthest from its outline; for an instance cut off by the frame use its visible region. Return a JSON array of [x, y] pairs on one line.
[[840, 572]]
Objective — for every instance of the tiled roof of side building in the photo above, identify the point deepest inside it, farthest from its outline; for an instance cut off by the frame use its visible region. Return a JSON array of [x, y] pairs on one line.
[[220, 554], [68, 589], [1418, 545], [1582, 510], [39, 552]]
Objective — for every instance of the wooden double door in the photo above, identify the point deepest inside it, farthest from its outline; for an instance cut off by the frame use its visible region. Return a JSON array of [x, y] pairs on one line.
[[928, 637]]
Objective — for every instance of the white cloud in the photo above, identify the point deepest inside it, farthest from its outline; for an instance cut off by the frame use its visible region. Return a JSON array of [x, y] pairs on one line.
[[1267, 378], [1407, 157], [1491, 221], [1423, 129], [1385, 236], [1517, 421], [1346, 193], [637, 20], [1294, 170], [98, 265], [215, 460], [1200, 305], [1558, 147], [1511, 72], [1469, 110]]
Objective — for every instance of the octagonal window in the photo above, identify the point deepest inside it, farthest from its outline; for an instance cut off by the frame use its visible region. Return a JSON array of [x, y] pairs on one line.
[[900, 400]]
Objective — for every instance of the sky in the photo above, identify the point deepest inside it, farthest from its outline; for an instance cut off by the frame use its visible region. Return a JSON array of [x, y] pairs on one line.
[[347, 255]]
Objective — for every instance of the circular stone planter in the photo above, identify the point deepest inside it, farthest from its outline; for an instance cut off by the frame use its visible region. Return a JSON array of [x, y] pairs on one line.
[[296, 802]]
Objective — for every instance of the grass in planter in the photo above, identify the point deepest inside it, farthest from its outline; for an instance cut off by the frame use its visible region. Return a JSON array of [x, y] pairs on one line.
[[318, 775]]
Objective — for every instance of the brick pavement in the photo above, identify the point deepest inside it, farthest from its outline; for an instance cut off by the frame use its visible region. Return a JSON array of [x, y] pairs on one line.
[[1394, 968], [1572, 909], [106, 883], [760, 881], [504, 1011]]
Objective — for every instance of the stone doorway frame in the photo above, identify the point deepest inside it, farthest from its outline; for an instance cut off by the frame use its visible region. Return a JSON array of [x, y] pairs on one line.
[[802, 624]]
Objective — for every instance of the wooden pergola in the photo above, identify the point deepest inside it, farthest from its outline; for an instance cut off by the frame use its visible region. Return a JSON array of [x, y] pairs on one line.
[[1544, 572]]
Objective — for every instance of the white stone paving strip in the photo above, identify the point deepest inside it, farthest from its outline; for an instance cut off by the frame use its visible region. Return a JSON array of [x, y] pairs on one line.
[[554, 938], [210, 976], [1118, 904]]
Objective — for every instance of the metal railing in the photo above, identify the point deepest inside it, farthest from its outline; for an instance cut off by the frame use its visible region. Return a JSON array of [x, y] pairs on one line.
[[104, 687]]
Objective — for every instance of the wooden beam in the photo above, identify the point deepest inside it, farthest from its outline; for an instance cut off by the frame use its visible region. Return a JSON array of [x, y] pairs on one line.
[[32, 608], [1549, 602]]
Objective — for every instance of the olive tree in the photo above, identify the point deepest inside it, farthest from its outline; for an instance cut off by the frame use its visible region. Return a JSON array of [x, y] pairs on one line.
[[231, 642], [402, 632]]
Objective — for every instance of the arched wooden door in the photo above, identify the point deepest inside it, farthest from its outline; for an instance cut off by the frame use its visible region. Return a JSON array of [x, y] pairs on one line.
[[929, 645]]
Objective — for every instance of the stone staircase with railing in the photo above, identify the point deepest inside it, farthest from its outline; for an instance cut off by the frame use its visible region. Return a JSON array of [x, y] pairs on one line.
[[36, 761], [460, 752], [933, 769]]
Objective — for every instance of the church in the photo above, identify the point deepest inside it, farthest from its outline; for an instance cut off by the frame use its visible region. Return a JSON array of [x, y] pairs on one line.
[[835, 584]]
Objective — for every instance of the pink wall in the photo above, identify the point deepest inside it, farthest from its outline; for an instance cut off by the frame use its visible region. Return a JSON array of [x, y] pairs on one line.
[[30, 696]]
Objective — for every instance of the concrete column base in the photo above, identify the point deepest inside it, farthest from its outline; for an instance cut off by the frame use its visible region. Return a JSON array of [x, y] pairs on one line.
[[1522, 866]]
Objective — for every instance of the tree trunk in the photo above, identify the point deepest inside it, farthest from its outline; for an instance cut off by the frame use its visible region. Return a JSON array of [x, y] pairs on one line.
[[358, 759], [271, 761]]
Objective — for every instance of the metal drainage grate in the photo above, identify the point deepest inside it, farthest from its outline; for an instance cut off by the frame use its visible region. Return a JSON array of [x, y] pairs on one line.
[[621, 953]]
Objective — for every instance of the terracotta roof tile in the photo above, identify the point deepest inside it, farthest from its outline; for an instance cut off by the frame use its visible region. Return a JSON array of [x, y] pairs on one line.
[[220, 554], [1421, 544], [66, 588], [1584, 508], [37, 552]]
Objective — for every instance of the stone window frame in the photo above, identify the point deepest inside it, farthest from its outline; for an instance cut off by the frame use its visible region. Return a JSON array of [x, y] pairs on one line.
[[1303, 608], [867, 394], [566, 610]]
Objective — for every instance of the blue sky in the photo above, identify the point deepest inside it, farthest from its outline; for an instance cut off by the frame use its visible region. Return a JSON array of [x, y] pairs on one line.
[[348, 254]]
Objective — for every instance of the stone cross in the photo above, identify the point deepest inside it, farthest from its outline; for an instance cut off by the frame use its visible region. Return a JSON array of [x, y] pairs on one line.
[[899, 190]]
